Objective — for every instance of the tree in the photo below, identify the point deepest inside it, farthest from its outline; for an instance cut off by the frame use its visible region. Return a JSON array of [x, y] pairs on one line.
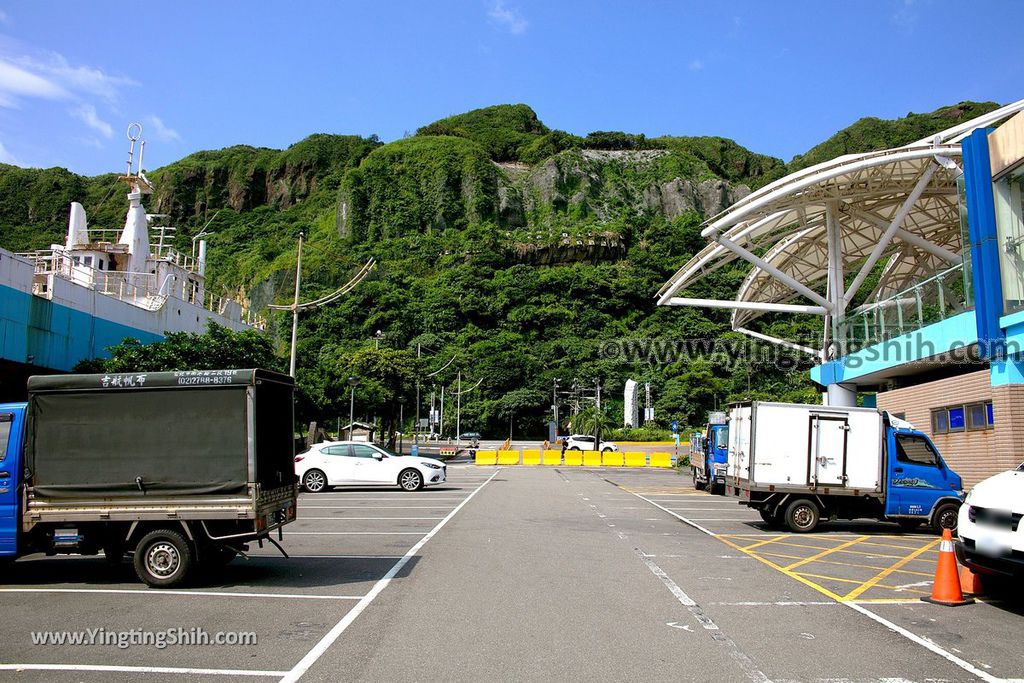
[[219, 348], [519, 403]]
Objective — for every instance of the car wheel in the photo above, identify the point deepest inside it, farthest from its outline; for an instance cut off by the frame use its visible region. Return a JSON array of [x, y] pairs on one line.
[[163, 558], [574, 448], [802, 516], [410, 480], [314, 481], [945, 517]]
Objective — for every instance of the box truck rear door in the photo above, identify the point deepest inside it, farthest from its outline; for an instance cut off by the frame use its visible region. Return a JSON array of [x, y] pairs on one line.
[[827, 451]]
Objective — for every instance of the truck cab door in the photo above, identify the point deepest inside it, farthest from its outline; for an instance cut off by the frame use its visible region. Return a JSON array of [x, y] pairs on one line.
[[11, 431], [827, 450], [917, 475]]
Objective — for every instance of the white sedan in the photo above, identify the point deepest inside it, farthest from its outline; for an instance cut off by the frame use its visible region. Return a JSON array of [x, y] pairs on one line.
[[352, 463]]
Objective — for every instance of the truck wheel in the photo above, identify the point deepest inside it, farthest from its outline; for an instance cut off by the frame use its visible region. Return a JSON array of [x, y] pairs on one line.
[[410, 480], [163, 558], [945, 517], [696, 484], [802, 516], [717, 489], [314, 481]]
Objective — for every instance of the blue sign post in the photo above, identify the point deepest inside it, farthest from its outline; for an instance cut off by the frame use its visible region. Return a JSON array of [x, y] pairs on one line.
[[675, 426]]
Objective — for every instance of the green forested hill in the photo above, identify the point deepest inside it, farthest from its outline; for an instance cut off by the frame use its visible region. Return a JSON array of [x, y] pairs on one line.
[[526, 253]]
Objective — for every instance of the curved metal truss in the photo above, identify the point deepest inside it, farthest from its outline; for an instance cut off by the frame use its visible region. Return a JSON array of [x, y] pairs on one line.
[[806, 233]]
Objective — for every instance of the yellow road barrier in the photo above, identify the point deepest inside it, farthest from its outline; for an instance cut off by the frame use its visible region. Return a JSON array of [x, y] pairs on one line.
[[531, 457], [552, 457], [508, 457], [636, 459], [574, 458], [661, 459], [487, 457], [591, 458], [612, 459]]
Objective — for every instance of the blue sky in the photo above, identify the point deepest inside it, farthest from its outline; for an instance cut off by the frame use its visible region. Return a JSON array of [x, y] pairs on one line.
[[778, 77]]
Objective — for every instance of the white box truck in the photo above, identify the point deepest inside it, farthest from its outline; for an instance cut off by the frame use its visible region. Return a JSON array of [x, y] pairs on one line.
[[796, 464]]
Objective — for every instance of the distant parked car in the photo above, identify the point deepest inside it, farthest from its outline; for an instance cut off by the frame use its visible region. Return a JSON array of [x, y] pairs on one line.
[[351, 463], [584, 442], [470, 436], [990, 535]]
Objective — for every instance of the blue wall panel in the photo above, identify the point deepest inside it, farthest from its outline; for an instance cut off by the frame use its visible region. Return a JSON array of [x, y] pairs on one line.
[[38, 332]]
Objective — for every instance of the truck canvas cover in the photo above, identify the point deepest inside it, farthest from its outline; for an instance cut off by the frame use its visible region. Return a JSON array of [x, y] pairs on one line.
[[159, 433]]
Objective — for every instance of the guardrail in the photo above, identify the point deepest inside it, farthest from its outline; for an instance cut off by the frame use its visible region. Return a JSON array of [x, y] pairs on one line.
[[553, 457]]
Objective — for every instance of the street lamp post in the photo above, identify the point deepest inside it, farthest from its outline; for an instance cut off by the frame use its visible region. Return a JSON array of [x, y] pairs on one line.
[[295, 306], [376, 340], [401, 423], [352, 381]]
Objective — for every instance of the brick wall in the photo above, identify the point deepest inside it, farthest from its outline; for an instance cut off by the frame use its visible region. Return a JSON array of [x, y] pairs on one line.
[[974, 455]]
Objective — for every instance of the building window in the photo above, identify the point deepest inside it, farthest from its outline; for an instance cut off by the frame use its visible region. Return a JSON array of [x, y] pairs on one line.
[[969, 417], [956, 419]]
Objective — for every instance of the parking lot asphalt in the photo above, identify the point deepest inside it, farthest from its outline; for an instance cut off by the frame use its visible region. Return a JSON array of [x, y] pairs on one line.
[[527, 574]]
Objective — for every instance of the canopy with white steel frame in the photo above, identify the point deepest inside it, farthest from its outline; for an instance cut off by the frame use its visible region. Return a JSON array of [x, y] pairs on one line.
[[804, 232]]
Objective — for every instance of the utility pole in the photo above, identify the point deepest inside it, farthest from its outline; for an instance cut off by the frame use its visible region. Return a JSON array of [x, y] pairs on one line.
[[458, 412], [295, 305], [416, 427], [440, 416], [554, 404]]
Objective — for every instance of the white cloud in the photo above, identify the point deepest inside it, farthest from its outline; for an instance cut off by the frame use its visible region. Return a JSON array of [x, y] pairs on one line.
[[160, 130], [16, 82], [87, 114], [8, 158], [508, 17], [86, 80], [4, 19], [695, 65]]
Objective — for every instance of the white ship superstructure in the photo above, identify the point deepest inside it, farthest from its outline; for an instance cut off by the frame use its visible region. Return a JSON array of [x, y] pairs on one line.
[[113, 283]]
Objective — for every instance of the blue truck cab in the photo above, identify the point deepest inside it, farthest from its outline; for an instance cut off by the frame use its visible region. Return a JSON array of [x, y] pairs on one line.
[[709, 455], [12, 434], [919, 484]]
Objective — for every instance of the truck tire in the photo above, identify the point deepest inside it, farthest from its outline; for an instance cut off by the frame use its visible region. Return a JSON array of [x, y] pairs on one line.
[[164, 558], [314, 481], [699, 485], [410, 480], [802, 516], [717, 489], [945, 517]]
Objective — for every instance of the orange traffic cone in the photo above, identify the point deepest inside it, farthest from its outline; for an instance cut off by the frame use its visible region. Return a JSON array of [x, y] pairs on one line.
[[946, 589]]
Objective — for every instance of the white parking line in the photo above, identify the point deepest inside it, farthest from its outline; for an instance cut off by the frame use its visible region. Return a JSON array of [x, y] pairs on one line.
[[682, 519], [140, 669], [158, 593], [321, 647]]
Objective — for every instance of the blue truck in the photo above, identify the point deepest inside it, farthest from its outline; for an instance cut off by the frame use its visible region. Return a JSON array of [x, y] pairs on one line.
[[178, 470], [709, 454], [798, 464]]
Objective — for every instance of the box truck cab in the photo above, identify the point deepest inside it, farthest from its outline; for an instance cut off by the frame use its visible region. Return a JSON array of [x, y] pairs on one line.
[[798, 464], [709, 454]]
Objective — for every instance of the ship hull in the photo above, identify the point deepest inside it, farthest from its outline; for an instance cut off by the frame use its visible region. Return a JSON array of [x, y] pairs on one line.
[[74, 323]]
